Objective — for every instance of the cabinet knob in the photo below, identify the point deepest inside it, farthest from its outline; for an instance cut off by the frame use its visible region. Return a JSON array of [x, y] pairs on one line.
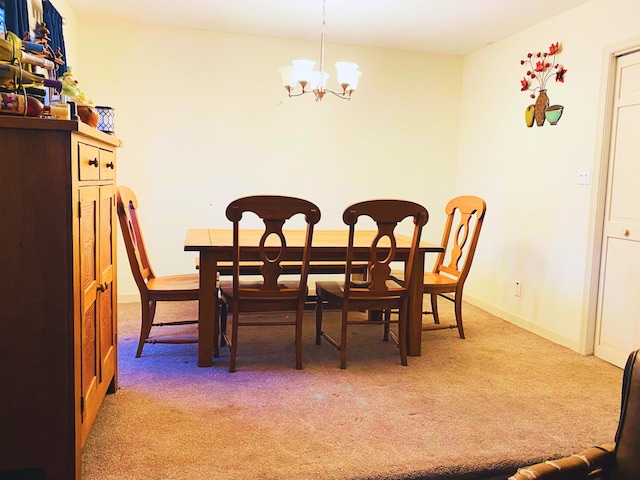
[[625, 232], [110, 165], [103, 287], [94, 162]]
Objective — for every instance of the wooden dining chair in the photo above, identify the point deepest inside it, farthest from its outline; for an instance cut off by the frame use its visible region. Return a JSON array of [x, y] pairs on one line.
[[153, 289], [269, 293], [378, 292], [452, 266]]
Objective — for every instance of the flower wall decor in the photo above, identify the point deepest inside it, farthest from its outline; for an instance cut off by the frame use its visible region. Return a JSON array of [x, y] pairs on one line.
[[540, 68]]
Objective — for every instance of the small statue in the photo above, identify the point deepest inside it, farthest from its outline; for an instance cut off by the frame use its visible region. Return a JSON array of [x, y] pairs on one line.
[[58, 57], [42, 33], [85, 107]]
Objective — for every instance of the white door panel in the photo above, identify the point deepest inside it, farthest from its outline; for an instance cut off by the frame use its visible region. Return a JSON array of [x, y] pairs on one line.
[[620, 307], [618, 317]]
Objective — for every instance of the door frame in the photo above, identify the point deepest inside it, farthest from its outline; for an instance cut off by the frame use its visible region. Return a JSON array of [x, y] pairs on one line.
[[599, 190]]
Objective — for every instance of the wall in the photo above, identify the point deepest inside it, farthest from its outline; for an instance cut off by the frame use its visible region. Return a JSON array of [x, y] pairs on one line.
[[540, 225], [204, 119]]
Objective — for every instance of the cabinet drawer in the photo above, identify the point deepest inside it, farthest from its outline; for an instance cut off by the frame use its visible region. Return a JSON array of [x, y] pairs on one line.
[[89, 162], [107, 165], [96, 163]]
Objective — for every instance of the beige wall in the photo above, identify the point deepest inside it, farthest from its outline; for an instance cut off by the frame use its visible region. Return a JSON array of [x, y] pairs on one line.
[[204, 120], [540, 227]]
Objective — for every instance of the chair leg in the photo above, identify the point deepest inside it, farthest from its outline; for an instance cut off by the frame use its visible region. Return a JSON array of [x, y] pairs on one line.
[[458, 310], [343, 339], [223, 323], [402, 335], [216, 329], [299, 315], [318, 320], [234, 343], [434, 308], [148, 312], [387, 319]]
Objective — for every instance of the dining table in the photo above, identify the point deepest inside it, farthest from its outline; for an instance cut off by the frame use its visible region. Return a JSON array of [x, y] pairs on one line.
[[215, 245]]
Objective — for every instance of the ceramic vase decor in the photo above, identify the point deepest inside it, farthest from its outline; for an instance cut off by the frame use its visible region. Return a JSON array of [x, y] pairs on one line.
[[529, 115], [553, 113], [88, 114], [540, 68], [542, 102]]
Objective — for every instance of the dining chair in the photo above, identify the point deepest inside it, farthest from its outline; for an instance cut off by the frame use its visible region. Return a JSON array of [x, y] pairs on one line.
[[153, 289], [269, 293], [378, 292], [453, 264]]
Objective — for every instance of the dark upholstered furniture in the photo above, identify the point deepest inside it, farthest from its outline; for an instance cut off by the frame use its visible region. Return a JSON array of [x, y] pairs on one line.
[[610, 461]]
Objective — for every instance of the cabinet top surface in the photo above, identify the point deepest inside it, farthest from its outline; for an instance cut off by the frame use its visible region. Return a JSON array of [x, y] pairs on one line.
[[30, 123]]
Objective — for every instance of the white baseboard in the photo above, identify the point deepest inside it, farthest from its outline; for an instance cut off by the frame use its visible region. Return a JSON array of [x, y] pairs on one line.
[[128, 298], [524, 323], [498, 312]]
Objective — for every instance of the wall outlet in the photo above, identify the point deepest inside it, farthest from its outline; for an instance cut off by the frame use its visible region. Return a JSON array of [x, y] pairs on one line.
[[518, 288], [584, 176]]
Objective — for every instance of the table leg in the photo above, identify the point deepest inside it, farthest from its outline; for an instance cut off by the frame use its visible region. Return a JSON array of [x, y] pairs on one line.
[[207, 310], [416, 287]]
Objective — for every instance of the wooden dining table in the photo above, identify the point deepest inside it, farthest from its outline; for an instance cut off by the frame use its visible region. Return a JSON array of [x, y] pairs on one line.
[[216, 245]]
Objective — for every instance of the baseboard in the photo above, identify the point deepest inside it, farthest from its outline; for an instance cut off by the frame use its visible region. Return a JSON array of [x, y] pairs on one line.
[[498, 312], [128, 298], [525, 324]]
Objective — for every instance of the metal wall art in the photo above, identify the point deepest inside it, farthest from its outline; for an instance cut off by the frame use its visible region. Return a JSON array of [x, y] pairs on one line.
[[540, 68]]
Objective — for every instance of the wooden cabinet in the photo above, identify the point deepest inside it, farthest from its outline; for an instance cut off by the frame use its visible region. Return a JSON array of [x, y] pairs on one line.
[[58, 317]]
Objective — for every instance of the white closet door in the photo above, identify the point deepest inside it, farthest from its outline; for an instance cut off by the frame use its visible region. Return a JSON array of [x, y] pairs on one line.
[[618, 320]]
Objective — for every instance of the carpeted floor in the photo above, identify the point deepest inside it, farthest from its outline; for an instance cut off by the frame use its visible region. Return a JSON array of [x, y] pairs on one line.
[[472, 408]]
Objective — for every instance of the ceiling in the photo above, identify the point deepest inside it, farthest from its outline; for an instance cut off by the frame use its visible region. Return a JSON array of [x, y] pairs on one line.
[[456, 27]]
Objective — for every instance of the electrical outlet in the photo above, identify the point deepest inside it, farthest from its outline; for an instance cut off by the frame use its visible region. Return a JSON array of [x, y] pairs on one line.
[[584, 176], [518, 289]]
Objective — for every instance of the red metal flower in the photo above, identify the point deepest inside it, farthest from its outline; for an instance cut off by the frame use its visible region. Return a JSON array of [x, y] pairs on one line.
[[541, 69]]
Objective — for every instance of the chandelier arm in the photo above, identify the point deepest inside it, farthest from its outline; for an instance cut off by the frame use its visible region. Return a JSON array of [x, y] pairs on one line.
[[299, 94], [338, 94]]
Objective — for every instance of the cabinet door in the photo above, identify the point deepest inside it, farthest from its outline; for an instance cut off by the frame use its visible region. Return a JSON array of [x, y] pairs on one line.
[[88, 249], [97, 272], [106, 285]]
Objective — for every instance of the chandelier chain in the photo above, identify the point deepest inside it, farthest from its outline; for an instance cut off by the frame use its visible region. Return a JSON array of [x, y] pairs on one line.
[[324, 14]]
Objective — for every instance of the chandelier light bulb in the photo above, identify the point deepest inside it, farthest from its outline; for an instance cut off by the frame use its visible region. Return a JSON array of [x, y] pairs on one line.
[[301, 74]]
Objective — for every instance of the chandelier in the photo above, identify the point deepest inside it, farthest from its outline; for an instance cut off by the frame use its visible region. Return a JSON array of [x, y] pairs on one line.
[[301, 74]]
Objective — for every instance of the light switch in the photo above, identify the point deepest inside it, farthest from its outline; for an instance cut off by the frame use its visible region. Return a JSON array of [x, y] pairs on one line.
[[584, 176]]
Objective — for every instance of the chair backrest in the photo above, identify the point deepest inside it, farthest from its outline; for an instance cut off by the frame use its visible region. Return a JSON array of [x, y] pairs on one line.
[[626, 459], [468, 213], [272, 249], [132, 235], [386, 214]]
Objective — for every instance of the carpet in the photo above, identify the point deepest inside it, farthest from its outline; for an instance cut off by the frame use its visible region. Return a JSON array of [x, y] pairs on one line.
[[471, 409]]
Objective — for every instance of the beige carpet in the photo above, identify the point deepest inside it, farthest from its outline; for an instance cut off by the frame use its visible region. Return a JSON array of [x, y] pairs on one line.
[[464, 409]]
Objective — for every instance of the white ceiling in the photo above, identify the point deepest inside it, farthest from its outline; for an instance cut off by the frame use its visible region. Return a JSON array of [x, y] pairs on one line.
[[455, 27]]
